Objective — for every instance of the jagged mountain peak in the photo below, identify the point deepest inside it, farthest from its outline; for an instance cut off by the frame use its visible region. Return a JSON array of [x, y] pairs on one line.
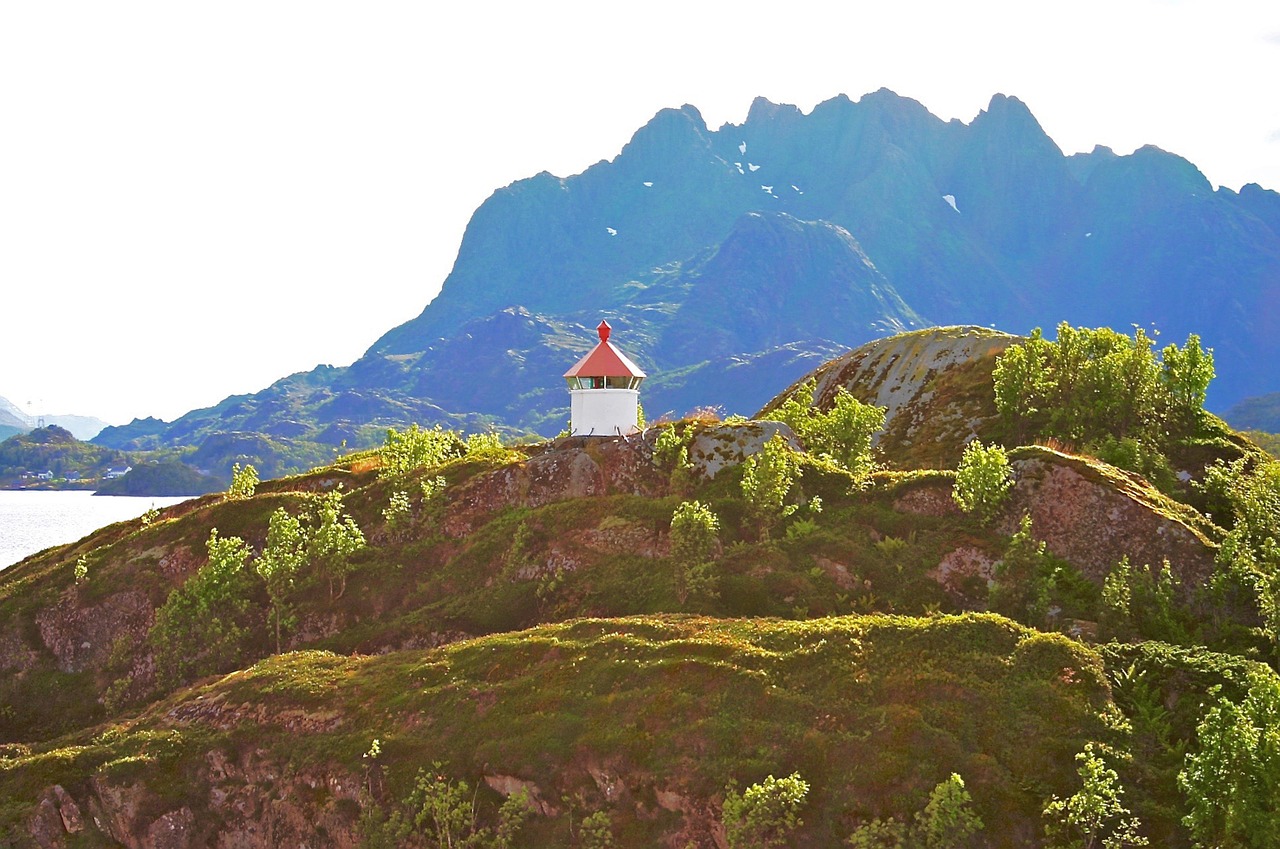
[[764, 111], [1009, 122], [668, 131]]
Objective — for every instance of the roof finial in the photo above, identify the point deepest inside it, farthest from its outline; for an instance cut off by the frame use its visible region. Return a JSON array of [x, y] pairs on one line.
[[603, 330]]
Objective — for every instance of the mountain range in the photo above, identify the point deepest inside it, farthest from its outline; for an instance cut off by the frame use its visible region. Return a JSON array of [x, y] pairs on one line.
[[735, 259]]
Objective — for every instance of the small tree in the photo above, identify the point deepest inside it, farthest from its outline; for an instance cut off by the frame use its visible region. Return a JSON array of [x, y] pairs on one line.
[[1093, 815], [443, 810], [397, 511], [200, 628], [842, 434], [983, 480], [764, 815], [1024, 578], [1187, 373], [244, 482], [281, 559], [948, 820], [334, 538], [1232, 782], [693, 539], [767, 478], [1115, 617]]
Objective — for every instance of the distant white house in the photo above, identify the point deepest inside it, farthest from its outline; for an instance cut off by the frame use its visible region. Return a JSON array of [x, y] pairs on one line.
[[112, 474], [46, 475]]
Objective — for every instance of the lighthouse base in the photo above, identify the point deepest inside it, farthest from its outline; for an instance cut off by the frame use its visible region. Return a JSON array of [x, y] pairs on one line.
[[603, 412]]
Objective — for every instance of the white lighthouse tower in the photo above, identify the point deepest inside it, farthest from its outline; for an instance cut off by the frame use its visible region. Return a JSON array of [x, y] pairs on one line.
[[604, 388]]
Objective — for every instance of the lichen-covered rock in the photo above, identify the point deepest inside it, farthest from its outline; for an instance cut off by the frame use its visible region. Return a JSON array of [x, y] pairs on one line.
[[1083, 517], [1093, 524], [930, 500], [81, 636], [247, 801], [15, 654], [723, 446], [965, 574], [934, 384], [573, 467], [505, 785]]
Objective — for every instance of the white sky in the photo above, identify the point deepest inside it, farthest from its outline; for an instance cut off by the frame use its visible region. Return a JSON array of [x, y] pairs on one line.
[[199, 198]]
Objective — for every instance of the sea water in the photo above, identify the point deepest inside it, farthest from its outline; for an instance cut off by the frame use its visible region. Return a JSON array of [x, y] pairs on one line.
[[33, 521]]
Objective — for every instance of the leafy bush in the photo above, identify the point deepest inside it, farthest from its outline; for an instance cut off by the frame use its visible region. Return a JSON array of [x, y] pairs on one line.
[[202, 627], [947, 821], [983, 480], [1093, 383], [488, 447], [1232, 782], [842, 434], [693, 538], [1024, 578], [244, 482], [413, 448], [764, 815]]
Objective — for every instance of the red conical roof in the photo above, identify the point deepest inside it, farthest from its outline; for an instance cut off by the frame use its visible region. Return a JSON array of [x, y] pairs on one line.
[[604, 360]]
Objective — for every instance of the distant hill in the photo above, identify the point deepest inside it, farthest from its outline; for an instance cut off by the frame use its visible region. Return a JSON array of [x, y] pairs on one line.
[[13, 418], [735, 259], [1261, 412], [14, 421], [54, 449]]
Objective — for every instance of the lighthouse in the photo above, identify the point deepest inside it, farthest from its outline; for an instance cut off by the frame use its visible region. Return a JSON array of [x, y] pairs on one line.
[[604, 391]]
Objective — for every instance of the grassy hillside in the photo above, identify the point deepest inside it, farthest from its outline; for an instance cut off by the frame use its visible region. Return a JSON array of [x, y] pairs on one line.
[[525, 618]]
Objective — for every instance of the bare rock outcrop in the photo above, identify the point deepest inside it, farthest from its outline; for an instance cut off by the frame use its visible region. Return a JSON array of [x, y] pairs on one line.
[[572, 467], [81, 636], [1086, 514], [1093, 522], [246, 802]]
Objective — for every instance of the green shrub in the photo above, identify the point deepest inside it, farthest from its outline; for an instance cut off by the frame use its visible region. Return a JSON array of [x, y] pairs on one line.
[[693, 539], [413, 448], [203, 626], [764, 815], [983, 480]]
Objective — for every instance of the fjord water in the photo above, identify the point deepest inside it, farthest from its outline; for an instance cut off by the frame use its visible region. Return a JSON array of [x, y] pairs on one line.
[[33, 521]]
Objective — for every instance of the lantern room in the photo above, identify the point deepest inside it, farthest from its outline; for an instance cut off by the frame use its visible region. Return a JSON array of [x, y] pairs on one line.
[[604, 391]]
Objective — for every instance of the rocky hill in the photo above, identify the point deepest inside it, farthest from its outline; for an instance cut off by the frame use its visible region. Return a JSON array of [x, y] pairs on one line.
[[54, 450], [735, 260], [524, 623]]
